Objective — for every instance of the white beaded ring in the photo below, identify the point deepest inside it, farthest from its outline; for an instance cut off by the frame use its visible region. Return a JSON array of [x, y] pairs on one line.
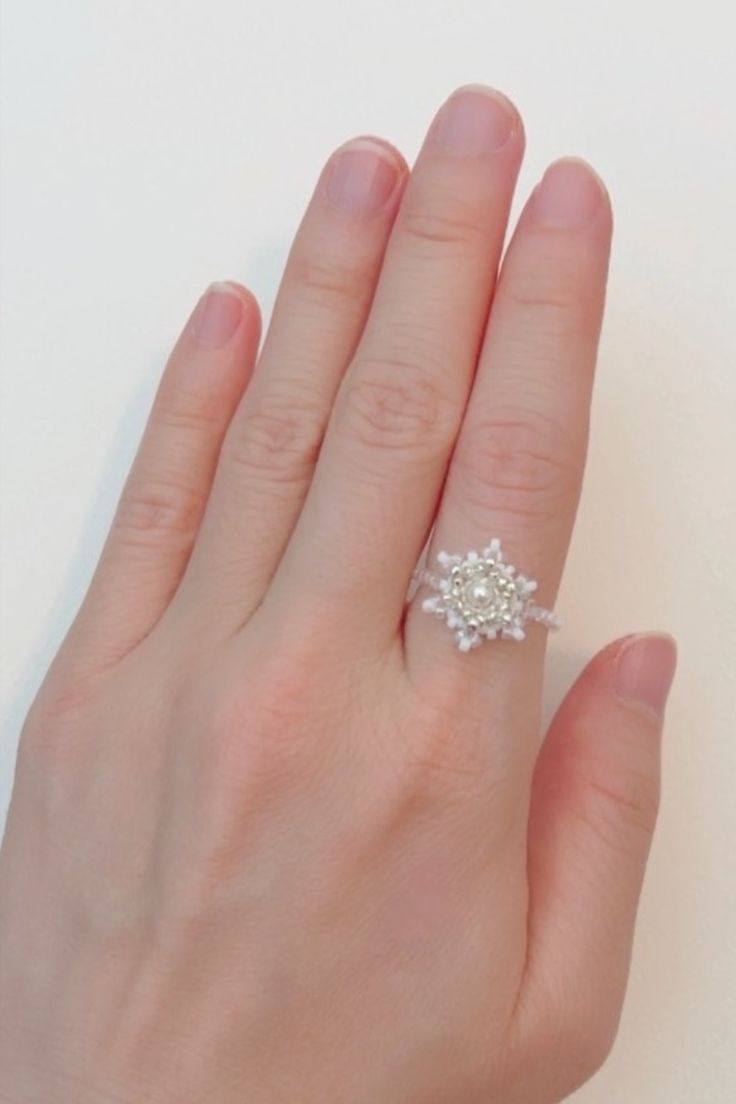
[[481, 597]]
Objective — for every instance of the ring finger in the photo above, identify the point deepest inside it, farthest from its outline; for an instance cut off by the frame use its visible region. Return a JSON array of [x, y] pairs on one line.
[[518, 464]]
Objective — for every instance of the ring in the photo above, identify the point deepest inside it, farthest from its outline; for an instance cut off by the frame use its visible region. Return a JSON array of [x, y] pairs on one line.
[[481, 597]]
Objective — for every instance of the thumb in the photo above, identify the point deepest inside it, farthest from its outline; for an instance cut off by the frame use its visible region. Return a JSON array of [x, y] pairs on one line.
[[594, 805]]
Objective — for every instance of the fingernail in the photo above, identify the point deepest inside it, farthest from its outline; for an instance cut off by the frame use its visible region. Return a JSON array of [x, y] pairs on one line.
[[217, 315], [361, 177], [644, 671], [474, 120], [569, 194]]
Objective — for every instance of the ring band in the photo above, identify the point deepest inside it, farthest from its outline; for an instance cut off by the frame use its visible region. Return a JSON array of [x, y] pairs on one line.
[[481, 597]]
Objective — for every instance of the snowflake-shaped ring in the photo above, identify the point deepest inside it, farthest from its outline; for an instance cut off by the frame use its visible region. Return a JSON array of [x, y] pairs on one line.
[[481, 597]]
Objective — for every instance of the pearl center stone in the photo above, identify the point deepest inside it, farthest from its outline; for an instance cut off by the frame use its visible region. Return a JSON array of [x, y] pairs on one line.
[[480, 594]]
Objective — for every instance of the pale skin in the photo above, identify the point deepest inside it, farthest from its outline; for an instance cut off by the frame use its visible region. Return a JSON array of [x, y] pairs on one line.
[[273, 837]]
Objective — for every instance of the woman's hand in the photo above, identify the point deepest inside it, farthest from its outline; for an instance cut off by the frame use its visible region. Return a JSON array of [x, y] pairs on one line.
[[273, 836]]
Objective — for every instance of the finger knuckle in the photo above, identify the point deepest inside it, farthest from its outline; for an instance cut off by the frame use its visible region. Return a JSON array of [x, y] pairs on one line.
[[186, 411], [158, 511], [396, 402], [50, 740], [517, 463], [447, 761], [279, 439], [545, 301], [624, 811], [440, 222], [329, 283], [447, 768], [265, 734]]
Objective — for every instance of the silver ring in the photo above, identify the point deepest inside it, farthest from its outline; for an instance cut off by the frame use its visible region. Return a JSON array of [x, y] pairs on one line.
[[481, 597]]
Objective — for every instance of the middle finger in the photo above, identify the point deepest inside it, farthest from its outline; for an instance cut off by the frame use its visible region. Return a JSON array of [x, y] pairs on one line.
[[400, 404]]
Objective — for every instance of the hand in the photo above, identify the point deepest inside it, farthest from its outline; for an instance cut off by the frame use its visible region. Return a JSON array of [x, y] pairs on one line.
[[273, 836]]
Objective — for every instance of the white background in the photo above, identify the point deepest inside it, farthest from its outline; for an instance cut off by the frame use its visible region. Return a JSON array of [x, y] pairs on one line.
[[150, 146]]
